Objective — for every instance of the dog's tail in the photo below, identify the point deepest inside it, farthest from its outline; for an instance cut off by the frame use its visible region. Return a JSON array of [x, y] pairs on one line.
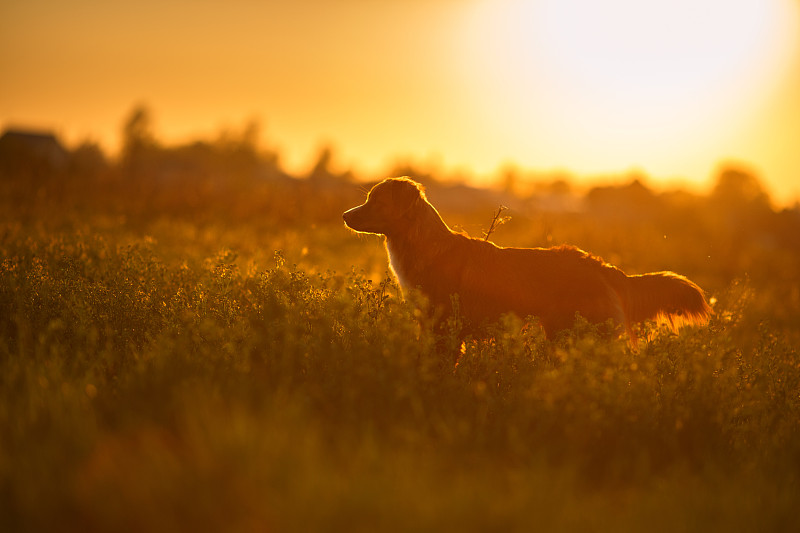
[[667, 297]]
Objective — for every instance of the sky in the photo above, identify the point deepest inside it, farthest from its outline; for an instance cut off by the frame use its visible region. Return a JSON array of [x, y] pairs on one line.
[[590, 88]]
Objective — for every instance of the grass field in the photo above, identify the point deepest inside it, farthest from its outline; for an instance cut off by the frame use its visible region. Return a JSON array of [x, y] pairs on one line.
[[205, 357]]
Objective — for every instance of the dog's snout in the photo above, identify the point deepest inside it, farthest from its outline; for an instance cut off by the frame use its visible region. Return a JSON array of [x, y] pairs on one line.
[[361, 219], [350, 217], [348, 214]]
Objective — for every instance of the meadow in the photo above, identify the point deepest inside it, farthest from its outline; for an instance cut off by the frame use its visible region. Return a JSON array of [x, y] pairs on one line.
[[223, 355]]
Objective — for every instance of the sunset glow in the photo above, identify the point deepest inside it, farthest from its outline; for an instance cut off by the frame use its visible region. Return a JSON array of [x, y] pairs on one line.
[[630, 83], [594, 89]]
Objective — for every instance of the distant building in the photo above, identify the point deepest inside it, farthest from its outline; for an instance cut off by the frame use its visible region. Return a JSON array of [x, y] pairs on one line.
[[32, 151]]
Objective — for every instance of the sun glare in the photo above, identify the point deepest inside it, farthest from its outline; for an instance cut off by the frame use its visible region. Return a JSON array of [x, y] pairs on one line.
[[629, 75]]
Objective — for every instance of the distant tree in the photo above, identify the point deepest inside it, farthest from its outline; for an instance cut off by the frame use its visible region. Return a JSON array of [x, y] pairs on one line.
[[737, 188], [417, 171], [632, 200], [138, 128], [742, 211], [322, 171], [245, 156], [322, 168], [559, 186], [509, 179], [251, 134], [138, 141], [234, 140], [88, 160]]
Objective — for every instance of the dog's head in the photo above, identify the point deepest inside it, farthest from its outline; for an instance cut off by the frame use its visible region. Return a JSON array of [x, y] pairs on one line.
[[388, 208]]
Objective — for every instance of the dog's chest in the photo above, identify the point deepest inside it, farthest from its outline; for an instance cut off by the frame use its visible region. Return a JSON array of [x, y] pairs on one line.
[[407, 265], [400, 264]]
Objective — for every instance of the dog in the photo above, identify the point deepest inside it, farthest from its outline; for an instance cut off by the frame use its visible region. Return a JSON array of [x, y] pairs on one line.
[[552, 284]]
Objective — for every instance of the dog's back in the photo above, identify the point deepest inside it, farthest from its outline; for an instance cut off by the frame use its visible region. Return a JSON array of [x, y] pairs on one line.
[[552, 284]]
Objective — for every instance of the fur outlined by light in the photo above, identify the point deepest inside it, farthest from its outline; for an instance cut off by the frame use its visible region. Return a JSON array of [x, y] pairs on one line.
[[552, 284]]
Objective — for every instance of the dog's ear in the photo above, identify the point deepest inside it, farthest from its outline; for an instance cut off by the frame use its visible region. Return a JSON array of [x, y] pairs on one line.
[[408, 193]]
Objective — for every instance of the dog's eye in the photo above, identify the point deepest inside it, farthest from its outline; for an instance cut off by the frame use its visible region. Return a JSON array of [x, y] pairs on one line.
[[378, 199]]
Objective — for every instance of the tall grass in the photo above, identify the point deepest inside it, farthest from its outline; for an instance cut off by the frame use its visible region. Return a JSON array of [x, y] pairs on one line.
[[158, 374]]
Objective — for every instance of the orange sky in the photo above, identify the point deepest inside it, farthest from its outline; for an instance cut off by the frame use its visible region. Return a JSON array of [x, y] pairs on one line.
[[594, 88]]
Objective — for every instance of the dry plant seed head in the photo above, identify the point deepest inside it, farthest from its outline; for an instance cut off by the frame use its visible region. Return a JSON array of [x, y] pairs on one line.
[[497, 221]]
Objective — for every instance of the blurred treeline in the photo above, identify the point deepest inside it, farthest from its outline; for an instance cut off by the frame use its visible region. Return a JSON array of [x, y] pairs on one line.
[[732, 232]]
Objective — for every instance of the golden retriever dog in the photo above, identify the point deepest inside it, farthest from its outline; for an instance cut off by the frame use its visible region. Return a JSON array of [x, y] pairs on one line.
[[552, 284]]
